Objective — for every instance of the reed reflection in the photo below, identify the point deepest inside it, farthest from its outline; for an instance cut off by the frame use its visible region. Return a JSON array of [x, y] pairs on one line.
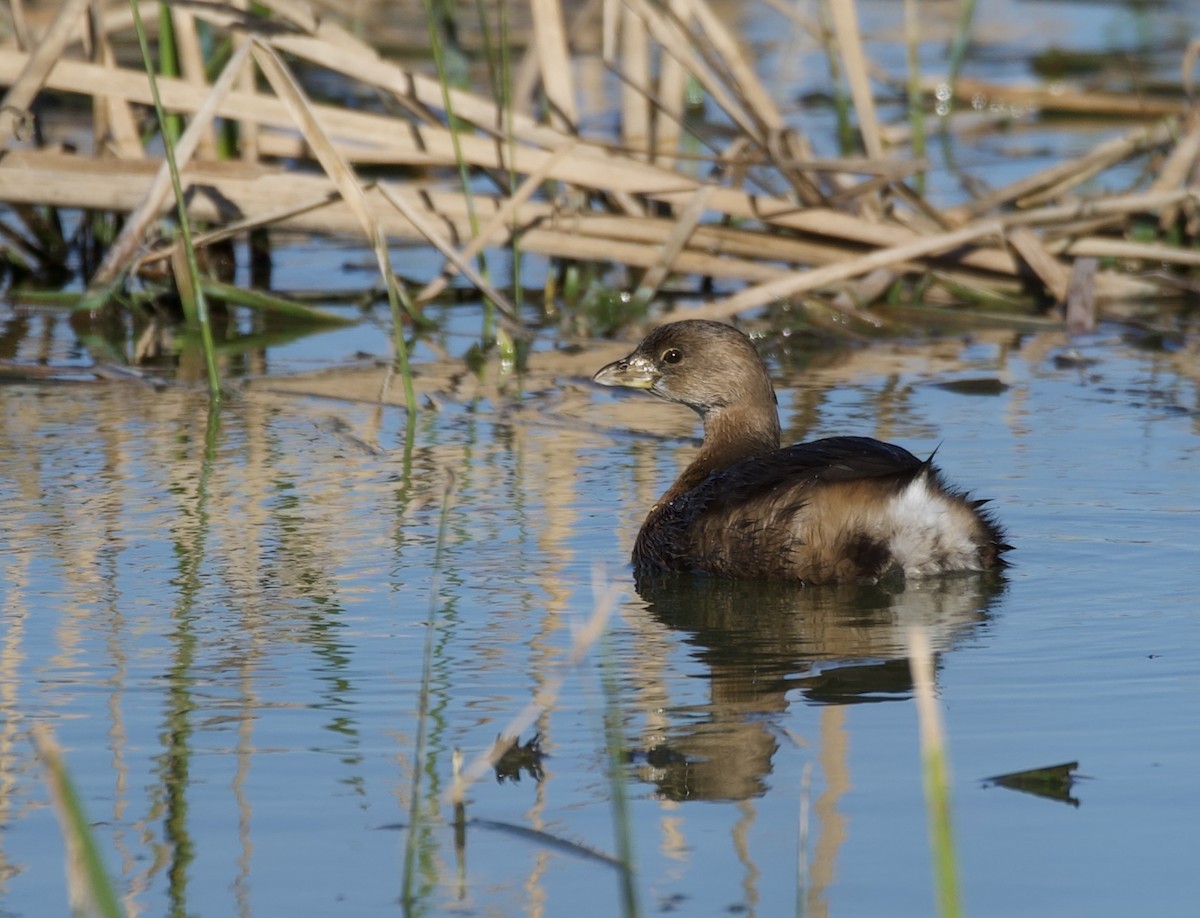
[[761, 642]]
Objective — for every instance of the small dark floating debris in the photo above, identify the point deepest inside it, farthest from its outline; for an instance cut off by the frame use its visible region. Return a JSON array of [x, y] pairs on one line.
[[1073, 360], [512, 758], [988, 385], [1051, 781]]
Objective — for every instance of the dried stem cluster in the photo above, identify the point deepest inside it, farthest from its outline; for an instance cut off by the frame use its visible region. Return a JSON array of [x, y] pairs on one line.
[[766, 221]]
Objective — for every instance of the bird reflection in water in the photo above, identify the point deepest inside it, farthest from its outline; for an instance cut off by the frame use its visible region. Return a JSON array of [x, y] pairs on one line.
[[761, 642]]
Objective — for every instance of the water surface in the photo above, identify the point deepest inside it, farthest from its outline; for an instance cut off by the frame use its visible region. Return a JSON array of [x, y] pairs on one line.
[[223, 619]]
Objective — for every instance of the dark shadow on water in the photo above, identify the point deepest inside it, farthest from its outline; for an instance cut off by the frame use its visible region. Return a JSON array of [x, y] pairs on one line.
[[760, 643]]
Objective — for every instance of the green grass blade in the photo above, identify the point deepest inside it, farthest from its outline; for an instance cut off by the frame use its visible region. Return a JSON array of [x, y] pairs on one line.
[[962, 35], [86, 875], [195, 307], [439, 60], [268, 302]]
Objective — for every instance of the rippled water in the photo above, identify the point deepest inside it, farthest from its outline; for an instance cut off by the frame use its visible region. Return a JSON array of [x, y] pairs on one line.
[[223, 618]]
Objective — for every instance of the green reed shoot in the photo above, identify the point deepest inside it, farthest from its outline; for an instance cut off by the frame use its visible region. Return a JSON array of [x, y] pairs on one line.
[[168, 66], [841, 98], [916, 114], [399, 302], [195, 306], [439, 60], [962, 35], [506, 105]]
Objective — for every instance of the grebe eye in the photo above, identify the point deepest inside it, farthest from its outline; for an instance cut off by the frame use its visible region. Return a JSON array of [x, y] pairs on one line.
[[672, 355]]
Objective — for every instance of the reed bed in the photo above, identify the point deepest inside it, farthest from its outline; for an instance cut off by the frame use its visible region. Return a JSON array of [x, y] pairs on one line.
[[728, 225]]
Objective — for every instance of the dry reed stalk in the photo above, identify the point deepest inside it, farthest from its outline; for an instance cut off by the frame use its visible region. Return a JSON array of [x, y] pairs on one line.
[[425, 227], [687, 36], [745, 82], [25, 86], [889, 169], [410, 144], [685, 224], [849, 40], [1119, 206], [1181, 163], [599, 169], [1187, 64], [678, 43], [503, 221], [936, 770], [311, 203], [570, 245], [935, 220], [672, 96], [121, 253], [636, 88], [114, 127], [554, 60], [309, 124], [1103, 156], [191, 60], [836, 225], [963, 124], [334, 48], [20, 24], [1049, 270], [248, 131], [800, 282], [1071, 229], [1058, 99], [1099, 247], [277, 218]]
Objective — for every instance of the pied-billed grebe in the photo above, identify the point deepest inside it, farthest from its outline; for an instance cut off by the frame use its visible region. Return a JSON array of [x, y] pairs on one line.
[[838, 510]]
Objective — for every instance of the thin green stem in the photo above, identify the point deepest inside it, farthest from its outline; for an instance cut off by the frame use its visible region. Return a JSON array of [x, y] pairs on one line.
[[168, 66], [399, 302], [916, 115], [196, 309], [962, 36], [841, 99], [506, 106], [439, 60]]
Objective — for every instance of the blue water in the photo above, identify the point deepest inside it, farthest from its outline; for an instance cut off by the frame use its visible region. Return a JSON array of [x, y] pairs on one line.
[[223, 618], [226, 634]]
